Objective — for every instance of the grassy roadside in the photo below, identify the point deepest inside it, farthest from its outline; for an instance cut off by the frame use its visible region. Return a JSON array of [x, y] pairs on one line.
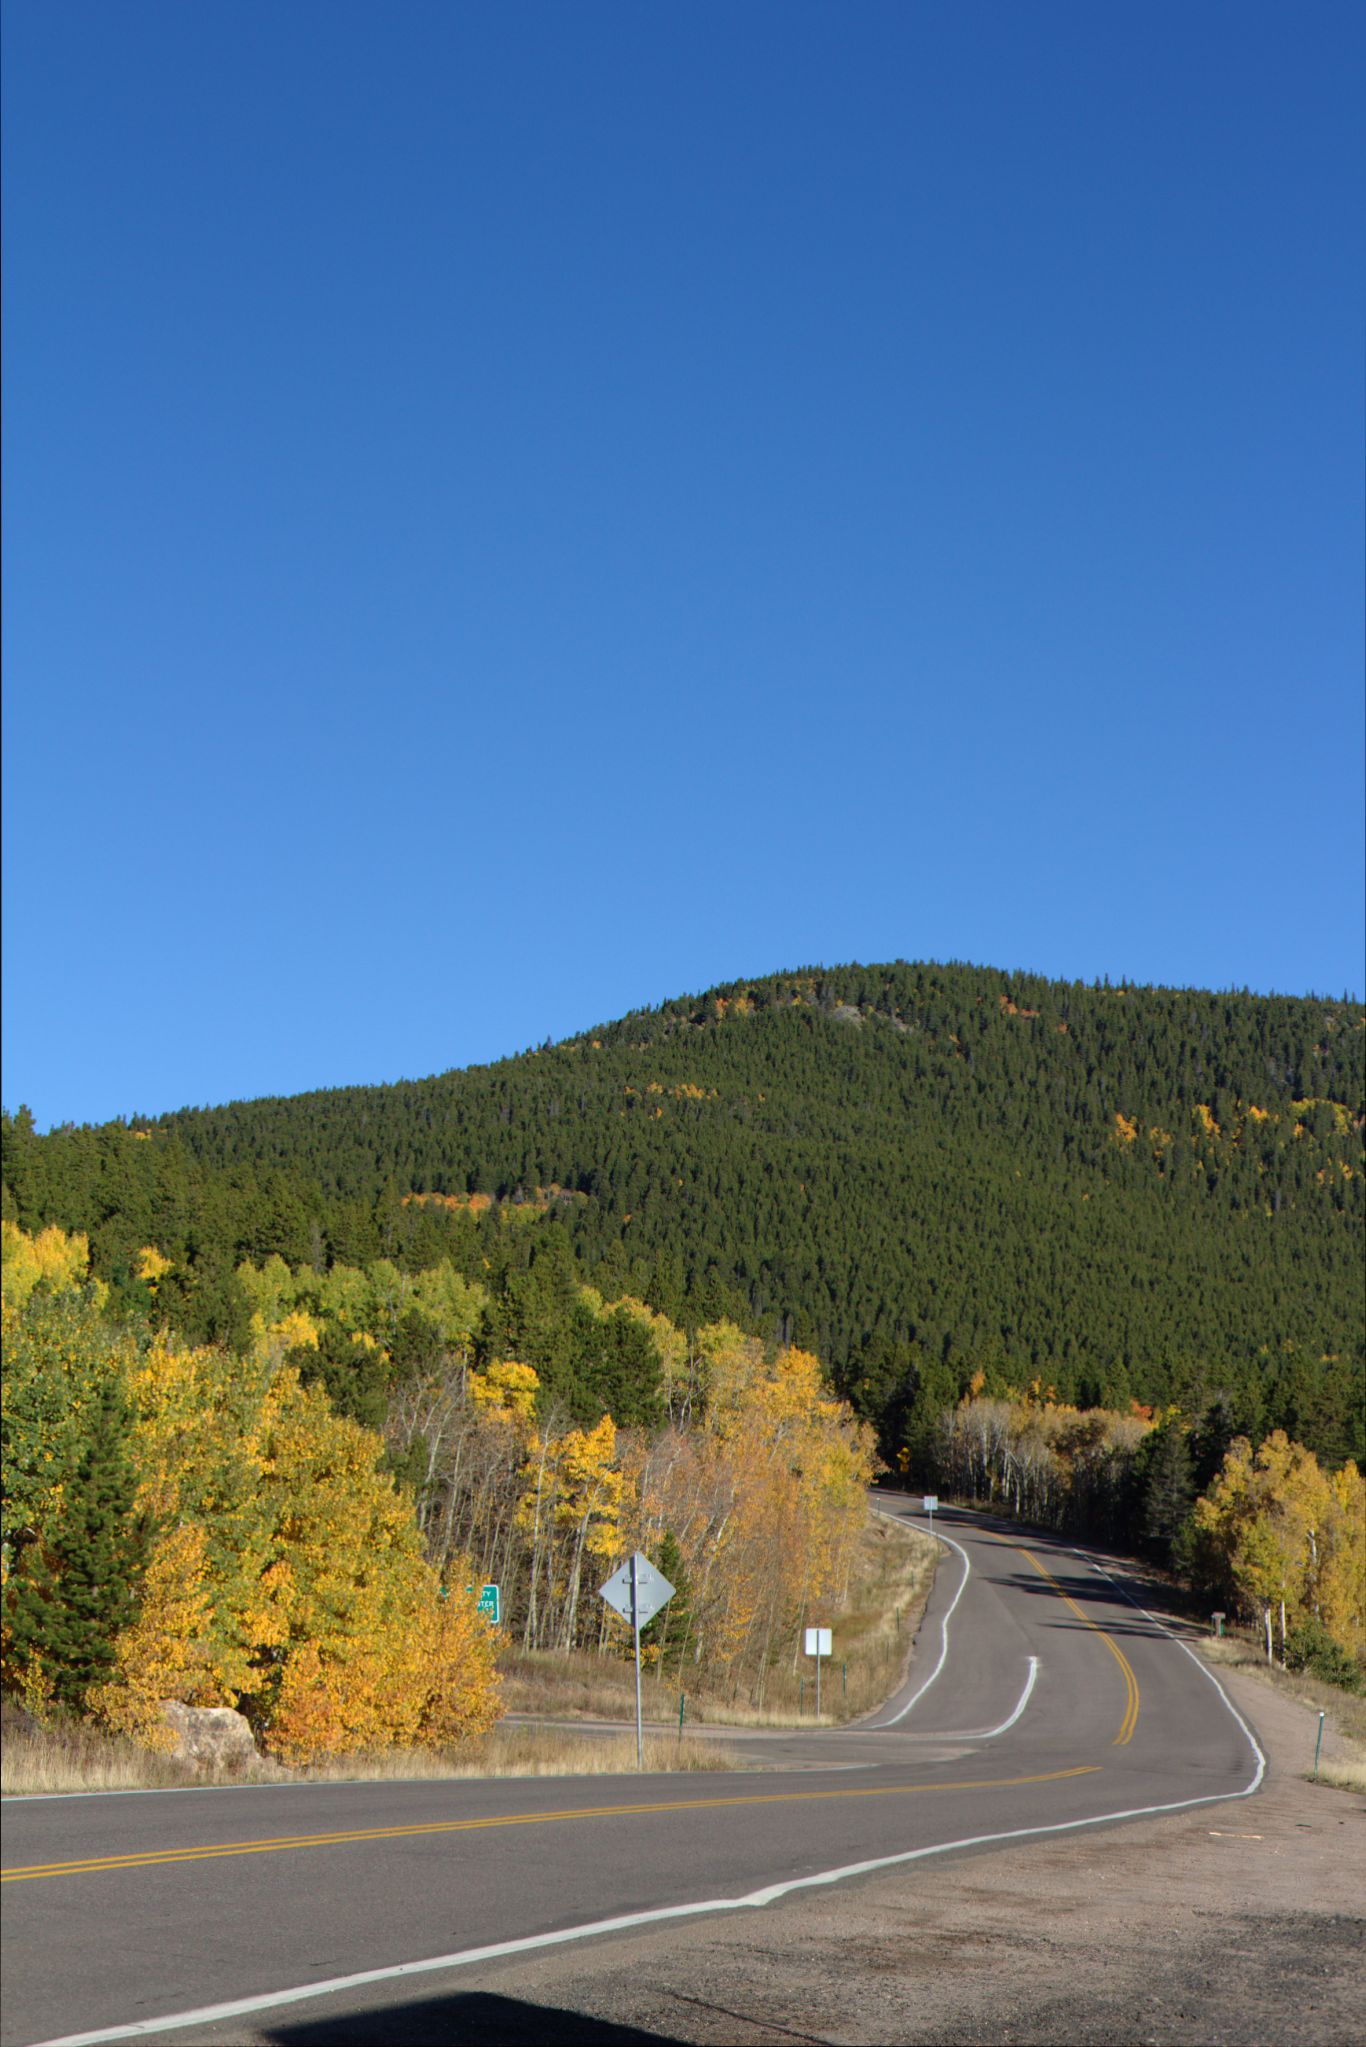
[[891, 1581], [1345, 1712], [48, 1761]]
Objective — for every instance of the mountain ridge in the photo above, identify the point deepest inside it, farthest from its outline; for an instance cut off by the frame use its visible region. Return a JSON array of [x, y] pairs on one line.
[[918, 1170]]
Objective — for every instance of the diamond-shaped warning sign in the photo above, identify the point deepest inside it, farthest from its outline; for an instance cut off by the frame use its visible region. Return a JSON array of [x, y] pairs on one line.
[[653, 1590]]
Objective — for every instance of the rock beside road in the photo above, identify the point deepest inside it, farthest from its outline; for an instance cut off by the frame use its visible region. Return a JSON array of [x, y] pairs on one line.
[[213, 1737]]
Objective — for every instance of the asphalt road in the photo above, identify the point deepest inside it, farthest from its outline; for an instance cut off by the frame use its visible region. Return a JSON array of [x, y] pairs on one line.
[[1040, 1698]]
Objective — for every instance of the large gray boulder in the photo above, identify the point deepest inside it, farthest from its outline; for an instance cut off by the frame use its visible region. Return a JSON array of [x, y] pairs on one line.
[[214, 1737]]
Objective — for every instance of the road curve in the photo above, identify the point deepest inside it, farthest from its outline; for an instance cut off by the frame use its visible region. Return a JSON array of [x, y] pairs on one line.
[[1041, 1698]]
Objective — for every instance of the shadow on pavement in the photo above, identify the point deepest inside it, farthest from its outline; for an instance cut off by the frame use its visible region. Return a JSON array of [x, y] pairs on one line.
[[474, 2016]]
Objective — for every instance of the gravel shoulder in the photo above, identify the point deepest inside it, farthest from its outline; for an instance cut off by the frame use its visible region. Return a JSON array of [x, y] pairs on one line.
[[1234, 1924]]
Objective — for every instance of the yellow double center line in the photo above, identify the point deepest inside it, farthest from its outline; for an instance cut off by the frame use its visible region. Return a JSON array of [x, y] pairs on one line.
[[92, 1865], [1130, 1720]]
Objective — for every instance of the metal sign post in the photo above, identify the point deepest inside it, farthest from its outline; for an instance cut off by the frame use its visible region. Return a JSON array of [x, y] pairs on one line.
[[931, 1505], [637, 1591], [635, 1630]]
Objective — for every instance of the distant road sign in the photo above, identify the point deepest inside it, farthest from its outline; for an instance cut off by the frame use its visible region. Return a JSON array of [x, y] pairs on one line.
[[490, 1603], [819, 1642], [653, 1590], [637, 1592], [931, 1503]]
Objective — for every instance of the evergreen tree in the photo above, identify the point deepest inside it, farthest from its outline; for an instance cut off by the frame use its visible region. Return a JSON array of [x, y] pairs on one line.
[[75, 1586], [1168, 1492], [671, 1629]]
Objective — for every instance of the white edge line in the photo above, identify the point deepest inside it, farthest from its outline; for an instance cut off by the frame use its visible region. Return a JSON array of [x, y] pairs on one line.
[[916, 1696], [271, 2000], [1198, 1661], [12, 1800]]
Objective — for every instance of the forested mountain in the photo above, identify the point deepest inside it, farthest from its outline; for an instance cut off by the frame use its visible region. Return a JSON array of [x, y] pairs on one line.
[[919, 1172]]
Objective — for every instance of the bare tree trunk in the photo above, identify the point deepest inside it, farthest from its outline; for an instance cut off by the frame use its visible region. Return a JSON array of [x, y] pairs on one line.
[[529, 1634]]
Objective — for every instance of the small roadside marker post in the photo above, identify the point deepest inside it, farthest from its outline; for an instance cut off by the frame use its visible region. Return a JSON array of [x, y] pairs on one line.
[[1318, 1744], [931, 1505], [1218, 1620], [637, 1591], [818, 1644]]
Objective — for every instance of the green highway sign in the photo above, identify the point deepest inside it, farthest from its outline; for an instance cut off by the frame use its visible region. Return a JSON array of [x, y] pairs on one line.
[[490, 1603]]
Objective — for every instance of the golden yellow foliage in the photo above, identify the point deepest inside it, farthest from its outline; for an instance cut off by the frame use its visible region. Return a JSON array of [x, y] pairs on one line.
[[60, 1261], [168, 1652], [152, 1266], [1285, 1530], [286, 1573], [505, 1390]]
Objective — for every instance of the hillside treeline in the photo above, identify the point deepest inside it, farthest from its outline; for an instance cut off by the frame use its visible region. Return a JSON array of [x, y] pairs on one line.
[[299, 1528], [918, 1172], [1267, 1535]]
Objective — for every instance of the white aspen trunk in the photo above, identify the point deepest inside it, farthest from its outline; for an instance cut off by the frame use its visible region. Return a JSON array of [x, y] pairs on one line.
[[571, 1605], [530, 1630]]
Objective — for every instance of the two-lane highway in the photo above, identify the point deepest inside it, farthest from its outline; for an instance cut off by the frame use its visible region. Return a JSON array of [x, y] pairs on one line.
[[1040, 1699]]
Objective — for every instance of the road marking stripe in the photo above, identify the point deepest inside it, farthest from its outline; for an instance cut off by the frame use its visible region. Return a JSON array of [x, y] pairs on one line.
[[1199, 1663], [1024, 1699], [981, 1733], [1130, 1720], [96, 1864], [919, 1694], [771, 1894]]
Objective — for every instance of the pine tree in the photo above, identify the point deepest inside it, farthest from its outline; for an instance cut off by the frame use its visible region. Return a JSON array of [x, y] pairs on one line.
[[1168, 1491], [76, 1586], [672, 1626]]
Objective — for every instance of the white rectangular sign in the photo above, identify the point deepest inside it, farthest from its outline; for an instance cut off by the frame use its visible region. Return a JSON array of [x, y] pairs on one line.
[[931, 1503], [818, 1642]]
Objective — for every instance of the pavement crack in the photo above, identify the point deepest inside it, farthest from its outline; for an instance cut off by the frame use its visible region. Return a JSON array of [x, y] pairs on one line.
[[725, 2011]]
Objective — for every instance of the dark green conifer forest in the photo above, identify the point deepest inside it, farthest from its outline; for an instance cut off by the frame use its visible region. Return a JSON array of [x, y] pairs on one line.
[[921, 1172]]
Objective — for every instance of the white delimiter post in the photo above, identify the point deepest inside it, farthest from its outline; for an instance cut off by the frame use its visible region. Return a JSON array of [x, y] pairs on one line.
[[635, 1630]]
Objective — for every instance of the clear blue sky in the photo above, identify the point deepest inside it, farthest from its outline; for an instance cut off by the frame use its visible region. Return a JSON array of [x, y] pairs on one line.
[[517, 512]]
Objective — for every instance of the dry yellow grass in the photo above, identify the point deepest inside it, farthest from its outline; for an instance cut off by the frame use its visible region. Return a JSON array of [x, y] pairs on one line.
[[73, 1757], [1343, 1775], [534, 1752], [43, 1762]]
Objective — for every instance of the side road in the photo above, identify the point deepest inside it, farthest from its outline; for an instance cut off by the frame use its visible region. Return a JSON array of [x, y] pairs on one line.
[[1241, 1925]]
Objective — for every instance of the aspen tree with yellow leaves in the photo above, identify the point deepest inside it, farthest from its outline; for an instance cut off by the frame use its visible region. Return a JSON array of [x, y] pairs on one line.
[[285, 1575], [1285, 1542]]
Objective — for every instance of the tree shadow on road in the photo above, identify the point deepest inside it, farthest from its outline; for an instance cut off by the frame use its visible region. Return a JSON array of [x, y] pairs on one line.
[[474, 2016]]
